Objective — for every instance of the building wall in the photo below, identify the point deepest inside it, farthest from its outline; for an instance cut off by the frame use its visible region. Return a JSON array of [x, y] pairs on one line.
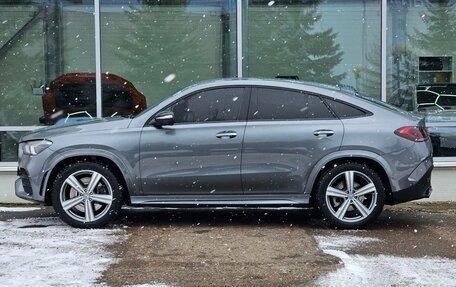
[[443, 184], [7, 179]]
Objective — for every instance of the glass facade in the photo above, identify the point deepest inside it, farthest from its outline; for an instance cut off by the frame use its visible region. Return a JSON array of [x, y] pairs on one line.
[[40, 42], [152, 48], [22, 68], [164, 46], [331, 42], [421, 48]]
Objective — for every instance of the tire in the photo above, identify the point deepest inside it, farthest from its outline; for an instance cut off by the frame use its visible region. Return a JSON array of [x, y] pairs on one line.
[[73, 191], [350, 209]]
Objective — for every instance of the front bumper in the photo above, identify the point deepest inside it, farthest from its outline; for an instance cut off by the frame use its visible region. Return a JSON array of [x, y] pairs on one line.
[[421, 189], [32, 174], [23, 189], [20, 190]]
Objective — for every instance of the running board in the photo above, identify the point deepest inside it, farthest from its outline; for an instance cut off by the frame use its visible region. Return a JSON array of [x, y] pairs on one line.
[[176, 201]]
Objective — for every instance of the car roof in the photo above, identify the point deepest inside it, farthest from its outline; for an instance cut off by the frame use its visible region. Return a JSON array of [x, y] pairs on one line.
[[282, 83]]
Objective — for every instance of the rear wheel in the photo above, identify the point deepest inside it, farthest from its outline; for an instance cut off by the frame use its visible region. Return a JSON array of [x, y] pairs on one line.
[[87, 195], [350, 195]]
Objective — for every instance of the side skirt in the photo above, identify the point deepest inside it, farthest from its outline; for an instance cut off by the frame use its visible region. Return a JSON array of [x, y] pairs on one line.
[[221, 201]]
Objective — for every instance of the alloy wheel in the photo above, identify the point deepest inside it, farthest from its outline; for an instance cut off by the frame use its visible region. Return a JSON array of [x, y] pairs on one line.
[[351, 196], [86, 196]]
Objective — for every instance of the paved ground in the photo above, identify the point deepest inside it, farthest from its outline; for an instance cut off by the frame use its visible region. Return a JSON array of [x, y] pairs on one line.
[[281, 247], [264, 247], [219, 248]]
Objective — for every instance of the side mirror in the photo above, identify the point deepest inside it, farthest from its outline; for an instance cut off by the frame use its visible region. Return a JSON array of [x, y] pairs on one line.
[[165, 118]]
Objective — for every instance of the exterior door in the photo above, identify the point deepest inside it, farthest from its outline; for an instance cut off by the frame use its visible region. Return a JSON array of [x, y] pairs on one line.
[[287, 133], [201, 152]]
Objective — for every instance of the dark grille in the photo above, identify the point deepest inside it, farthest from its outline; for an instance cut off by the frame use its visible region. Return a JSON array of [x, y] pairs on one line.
[[27, 186], [23, 174]]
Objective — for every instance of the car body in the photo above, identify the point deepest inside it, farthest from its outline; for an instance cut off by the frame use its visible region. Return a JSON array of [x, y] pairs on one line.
[[436, 98], [240, 142], [74, 93]]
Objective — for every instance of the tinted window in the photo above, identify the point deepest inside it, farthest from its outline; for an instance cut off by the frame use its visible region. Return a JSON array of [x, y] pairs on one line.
[[83, 96], [276, 104], [209, 106], [343, 110], [75, 96], [425, 97], [116, 96]]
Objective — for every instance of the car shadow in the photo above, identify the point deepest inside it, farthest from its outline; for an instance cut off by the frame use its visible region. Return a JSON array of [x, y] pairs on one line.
[[222, 217]]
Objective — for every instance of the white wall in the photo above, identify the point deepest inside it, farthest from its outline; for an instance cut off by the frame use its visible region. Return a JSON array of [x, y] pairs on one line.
[[443, 183], [7, 179]]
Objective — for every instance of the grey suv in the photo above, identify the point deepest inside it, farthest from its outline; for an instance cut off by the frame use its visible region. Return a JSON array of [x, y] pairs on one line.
[[244, 143]]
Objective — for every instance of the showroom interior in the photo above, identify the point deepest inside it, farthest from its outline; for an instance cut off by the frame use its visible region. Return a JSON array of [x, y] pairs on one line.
[[67, 60]]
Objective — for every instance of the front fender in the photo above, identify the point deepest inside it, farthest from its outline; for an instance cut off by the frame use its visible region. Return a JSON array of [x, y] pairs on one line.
[[117, 158]]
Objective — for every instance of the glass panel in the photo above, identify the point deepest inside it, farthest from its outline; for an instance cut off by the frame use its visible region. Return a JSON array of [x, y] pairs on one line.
[[21, 62], [9, 142], [209, 106], [40, 42], [275, 104], [158, 47], [421, 50], [330, 42], [43, 44], [344, 110]]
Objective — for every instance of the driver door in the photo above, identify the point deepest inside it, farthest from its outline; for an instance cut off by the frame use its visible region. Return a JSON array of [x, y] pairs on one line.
[[201, 152]]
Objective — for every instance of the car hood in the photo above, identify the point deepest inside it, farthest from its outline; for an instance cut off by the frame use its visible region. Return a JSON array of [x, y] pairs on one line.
[[75, 128]]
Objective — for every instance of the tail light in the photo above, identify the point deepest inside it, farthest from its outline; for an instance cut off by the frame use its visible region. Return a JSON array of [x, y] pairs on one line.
[[416, 134]]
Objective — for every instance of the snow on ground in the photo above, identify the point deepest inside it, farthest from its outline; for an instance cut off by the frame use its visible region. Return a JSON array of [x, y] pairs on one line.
[[382, 270], [46, 252], [17, 209]]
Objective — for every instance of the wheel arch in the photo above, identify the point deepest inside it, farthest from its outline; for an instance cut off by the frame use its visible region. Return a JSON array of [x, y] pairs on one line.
[[372, 160], [119, 169]]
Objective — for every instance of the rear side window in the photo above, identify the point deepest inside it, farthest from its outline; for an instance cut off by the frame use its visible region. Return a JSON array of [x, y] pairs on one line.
[[279, 104], [344, 110]]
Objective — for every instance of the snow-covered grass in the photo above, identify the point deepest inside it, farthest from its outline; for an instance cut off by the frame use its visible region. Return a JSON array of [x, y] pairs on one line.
[[17, 209], [46, 252], [382, 270]]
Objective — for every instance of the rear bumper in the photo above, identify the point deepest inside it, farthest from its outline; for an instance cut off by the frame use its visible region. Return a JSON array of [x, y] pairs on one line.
[[421, 189]]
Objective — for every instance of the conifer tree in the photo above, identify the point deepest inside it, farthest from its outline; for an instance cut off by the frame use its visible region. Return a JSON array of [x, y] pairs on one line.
[[161, 41], [439, 37], [284, 41]]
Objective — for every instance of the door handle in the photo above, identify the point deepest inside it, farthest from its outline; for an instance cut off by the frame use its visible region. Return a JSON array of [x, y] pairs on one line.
[[323, 133], [226, 134]]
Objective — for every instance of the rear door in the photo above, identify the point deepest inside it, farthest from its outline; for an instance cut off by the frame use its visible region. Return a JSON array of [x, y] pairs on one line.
[[287, 132]]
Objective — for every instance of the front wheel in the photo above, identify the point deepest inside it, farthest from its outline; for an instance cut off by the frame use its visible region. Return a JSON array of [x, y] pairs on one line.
[[86, 195], [350, 195]]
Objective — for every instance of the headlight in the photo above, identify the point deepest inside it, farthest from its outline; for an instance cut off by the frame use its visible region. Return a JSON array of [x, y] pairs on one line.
[[35, 147]]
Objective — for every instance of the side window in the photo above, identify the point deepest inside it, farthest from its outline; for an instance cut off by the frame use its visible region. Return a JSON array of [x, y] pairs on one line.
[[343, 110], [278, 104], [209, 106]]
